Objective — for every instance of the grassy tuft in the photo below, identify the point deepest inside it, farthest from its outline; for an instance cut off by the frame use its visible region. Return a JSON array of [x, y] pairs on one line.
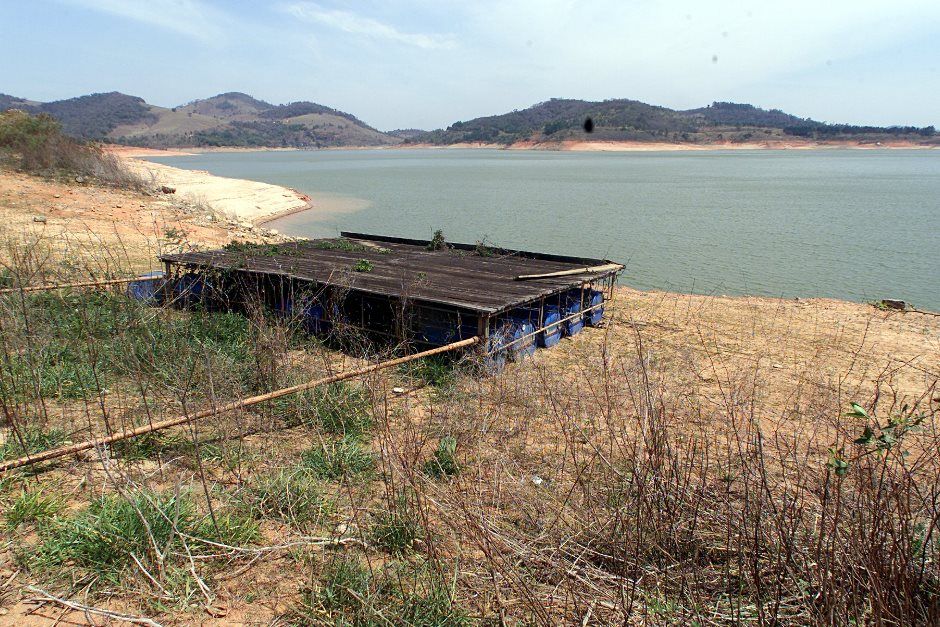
[[396, 530], [345, 457], [32, 507], [292, 496], [34, 440], [444, 463], [103, 537], [343, 409]]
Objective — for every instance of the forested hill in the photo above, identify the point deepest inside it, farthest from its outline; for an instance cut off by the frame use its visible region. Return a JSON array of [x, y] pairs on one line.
[[630, 120], [230, 119]]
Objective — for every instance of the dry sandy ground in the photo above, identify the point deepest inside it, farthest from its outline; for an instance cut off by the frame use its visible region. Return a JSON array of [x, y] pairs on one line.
[[108, 229]]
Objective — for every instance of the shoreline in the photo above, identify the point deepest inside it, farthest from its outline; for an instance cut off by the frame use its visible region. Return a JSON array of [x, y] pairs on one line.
[[559, 146], [241, 200]]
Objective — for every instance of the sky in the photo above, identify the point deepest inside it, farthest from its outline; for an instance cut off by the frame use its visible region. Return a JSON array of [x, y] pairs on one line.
[[428, 63]]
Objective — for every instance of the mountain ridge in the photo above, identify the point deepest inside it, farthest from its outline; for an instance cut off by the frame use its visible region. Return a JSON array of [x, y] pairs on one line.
[[236, 119]]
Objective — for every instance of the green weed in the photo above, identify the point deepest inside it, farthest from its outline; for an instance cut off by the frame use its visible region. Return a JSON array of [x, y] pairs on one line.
[[444, 463], [103, 537], [293, 496], [343, 409], [32, 440], [344, 457], [32, 507], [396, 530]]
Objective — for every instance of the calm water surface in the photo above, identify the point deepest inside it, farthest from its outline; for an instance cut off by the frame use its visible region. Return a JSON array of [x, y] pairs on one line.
[[857, 225]]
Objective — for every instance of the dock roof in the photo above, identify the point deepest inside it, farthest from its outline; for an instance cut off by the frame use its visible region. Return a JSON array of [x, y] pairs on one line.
[[457, 276]]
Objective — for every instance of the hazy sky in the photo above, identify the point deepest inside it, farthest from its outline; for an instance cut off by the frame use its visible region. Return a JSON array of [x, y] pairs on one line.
[[428, 63]]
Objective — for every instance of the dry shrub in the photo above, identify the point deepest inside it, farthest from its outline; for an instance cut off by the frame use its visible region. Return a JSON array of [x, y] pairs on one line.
[[36, 144]]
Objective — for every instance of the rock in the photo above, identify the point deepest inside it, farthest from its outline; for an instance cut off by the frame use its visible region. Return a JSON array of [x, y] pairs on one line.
[[398, 390], [57, 195], [39, 219], [892, 303], [79, 179], [274, 232], [168, 190]]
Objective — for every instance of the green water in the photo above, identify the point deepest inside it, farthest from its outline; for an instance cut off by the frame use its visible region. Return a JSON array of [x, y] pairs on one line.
[[858, 225]]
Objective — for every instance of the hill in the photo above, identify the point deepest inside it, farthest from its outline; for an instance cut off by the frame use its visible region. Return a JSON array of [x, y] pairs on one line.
[[559, 120], [230, 119], [235, 119]]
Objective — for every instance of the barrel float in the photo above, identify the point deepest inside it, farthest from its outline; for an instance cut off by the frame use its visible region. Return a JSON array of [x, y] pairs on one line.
[[570, 309], [595, 300], [148, 288]]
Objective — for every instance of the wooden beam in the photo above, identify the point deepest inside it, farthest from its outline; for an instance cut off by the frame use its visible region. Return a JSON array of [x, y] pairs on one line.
[[590, 269], [71, 449], [62, 286]]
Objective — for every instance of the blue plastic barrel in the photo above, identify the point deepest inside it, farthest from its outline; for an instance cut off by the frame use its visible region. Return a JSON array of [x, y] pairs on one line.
[[191, 289], [441, 332], [312, 317], [594, 316], [553, 330], [572, 306], [521, 338], [147, 288]]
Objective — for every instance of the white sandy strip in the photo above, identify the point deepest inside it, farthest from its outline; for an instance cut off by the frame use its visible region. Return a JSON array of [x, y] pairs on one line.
[[235, 198]]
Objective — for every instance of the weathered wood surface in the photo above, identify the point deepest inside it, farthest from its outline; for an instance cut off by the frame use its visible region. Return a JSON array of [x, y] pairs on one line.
[[455, 277]]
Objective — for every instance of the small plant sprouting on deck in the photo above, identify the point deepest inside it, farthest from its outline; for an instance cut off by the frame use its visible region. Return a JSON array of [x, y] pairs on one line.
[[437, 242], [483, 250], [363, 265], [444, 463], [348, 246], [259, 250]]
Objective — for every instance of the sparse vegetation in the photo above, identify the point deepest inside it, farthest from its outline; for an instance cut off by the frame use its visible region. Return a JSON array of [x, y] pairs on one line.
[[444, 463], [363, 265], [671, 469], [291, 495], [340, 458], [437, 241], [343, 409], [32, 507], [36, 144]]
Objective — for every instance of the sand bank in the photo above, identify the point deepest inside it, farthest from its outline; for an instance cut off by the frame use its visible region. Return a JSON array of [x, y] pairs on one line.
[[237, 199]]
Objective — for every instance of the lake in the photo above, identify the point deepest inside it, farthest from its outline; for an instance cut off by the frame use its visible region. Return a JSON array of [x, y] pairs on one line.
[[853, 224]]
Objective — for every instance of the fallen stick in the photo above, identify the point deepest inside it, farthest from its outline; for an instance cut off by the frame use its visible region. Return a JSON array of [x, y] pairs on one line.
[[587, 269], [62, 286], [78, 607], [71, 449]]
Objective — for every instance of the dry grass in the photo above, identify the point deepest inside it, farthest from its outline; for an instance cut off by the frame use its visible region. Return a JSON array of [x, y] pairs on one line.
[[691, 462]]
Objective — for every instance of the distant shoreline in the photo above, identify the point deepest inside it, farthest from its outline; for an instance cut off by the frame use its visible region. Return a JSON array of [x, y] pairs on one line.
[[563, 146]]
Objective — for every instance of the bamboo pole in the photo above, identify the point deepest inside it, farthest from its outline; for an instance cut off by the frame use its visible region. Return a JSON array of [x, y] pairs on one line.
[[245, 402], [62, 286], [548, 275]]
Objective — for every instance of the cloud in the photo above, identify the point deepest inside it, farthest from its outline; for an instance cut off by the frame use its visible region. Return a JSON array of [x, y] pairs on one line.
[[354, 24], [191, 18]]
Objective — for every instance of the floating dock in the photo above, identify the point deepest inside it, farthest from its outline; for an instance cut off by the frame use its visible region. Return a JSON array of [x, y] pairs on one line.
[[404, 289]]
